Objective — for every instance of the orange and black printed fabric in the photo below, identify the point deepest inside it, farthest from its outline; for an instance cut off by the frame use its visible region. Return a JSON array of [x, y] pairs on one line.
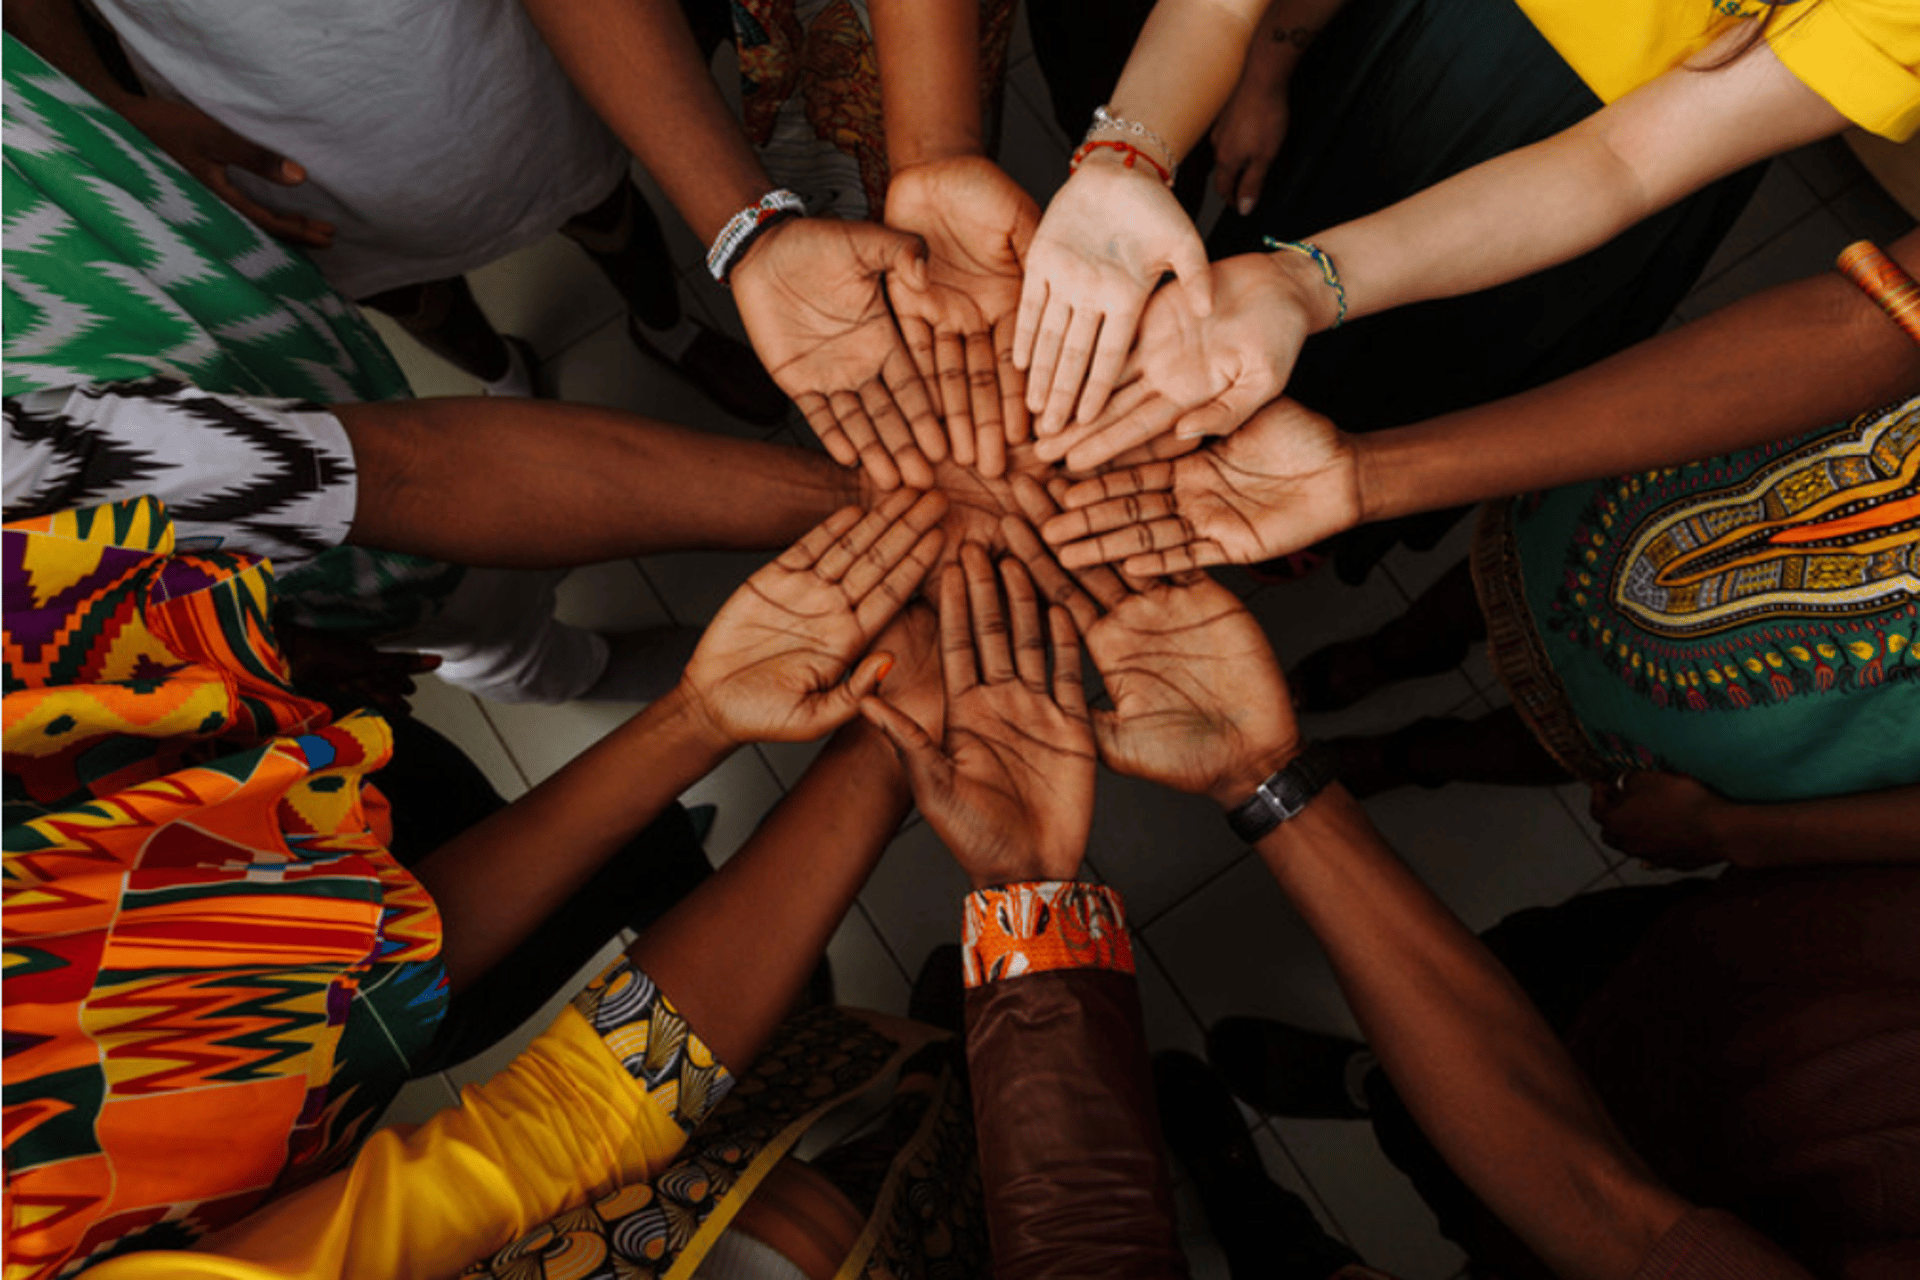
[[215, 972], [1033, 928]]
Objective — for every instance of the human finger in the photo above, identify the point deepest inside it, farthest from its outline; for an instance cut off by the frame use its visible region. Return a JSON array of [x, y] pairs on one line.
[[1015, 418], [1026, 321], [1152, 477], [1054, 583], [895, 589], [1117, 332], [897, 437], [1124, 543], [1046, 354], [813, 544], [920, 753], [819, 415], [834, 560], [1185, 559], [1069, 690], [1129, 508], [1222, 414], [989, 619], [1029, 639], [910, 397], [1122, 437], [1253, 177], [1189, 264], [876, 558], [833, 707], [1070, 371], [918, 336], [850, 414], [288, 226], [956, 396], [988, 444], [958, 665]]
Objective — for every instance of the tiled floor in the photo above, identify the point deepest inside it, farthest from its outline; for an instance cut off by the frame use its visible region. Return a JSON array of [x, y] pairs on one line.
[[1216, 935]]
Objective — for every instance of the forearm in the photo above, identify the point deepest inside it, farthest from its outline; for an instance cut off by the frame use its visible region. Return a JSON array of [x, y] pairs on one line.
[[636, 62], [1874, 826], [1476, 1064], [495, 883], [532, 484], [734, 955], [1282, 37], [929, 55], [1552, 201], [1183, 66], [53, 29], [1788, 360]]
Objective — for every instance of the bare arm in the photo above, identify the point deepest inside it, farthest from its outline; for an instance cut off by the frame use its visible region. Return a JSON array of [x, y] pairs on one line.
[[1786, 360], [1481, 1071], [636, 62], [1552, 201], [544, 484], [1676, 821], [929, 56]]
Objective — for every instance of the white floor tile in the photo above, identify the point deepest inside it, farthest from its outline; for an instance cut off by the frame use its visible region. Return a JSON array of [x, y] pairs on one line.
[[457, 715], [1488, 851], [543, 738], [426, 372], [549, 293], [481, 1067], [744, 791], [1156, 846], [419, 1100], [1280, 1166], [1169, 1023], [694, 584], [1804, 249], [914, 896], [614, 596], [605, 368], [1375, 1206], [1237, 947], [865, 974], [1302, 615]]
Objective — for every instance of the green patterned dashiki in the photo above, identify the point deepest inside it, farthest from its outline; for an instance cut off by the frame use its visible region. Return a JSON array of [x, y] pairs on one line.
[[119, 265]]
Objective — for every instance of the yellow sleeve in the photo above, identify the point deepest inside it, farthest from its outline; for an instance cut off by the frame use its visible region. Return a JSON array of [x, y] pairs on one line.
[[565, 1122], [1860, 56]]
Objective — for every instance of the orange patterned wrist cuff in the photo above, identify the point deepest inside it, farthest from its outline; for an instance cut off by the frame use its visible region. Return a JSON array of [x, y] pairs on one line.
[[1018, 929]]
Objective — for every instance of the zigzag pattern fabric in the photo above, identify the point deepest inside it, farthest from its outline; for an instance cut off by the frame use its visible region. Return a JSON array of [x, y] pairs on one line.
[[204, 933], [120, 267]]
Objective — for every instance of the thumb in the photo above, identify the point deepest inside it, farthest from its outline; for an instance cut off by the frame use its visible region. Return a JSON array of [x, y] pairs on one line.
[[896, 252], [1252, 178], [1189, 264], [908, 738]]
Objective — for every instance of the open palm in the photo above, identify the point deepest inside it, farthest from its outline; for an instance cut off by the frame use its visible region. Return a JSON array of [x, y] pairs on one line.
[[1284, 481], [770, 666], [1010, 789]]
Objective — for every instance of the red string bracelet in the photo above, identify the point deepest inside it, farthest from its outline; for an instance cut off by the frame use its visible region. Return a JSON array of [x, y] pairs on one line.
[[1127, 149]]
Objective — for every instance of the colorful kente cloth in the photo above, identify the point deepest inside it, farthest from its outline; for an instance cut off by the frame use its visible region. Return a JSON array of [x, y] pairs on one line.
[[215, 975], [1749, 620], [119, 266], [1041, 926], [810, 91]]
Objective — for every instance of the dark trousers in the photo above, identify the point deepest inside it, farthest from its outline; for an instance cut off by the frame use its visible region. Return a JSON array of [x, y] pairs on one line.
[[437, 793]]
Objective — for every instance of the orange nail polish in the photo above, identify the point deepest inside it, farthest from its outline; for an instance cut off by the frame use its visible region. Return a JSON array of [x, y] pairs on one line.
[[886, 668]]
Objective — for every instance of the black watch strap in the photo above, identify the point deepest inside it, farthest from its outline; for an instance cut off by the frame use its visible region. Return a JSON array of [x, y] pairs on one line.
[[1283, 795]]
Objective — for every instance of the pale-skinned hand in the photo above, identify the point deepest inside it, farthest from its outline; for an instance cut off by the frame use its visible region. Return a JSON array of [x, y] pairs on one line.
[[977, 223], [205, 147], [812, 293], [1284, 481], [1009, 787], [1662, 818], [1108, 236], [771, 665], [1199, 703], [1196, 376]]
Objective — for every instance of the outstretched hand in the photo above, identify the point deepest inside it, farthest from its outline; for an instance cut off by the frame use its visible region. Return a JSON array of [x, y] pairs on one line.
[[1107, 238], [958, 322], [1199, 703], [812, 293], [205, 147], [1284, 481], [770, 666], [1009, 787], [1192, 374], [1665, 819]]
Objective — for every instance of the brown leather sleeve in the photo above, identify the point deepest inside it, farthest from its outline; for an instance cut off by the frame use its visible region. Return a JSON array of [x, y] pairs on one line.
[[1070, 1151]]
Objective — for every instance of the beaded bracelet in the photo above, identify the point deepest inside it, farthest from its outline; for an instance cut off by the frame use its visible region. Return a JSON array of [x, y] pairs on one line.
[[748, 225], [1127, 149], [1104, 119], [1880, 278], [1328, 271]]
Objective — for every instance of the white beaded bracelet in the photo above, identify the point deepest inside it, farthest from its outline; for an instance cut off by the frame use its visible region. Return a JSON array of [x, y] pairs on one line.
[[745, 226], [1105, 119]]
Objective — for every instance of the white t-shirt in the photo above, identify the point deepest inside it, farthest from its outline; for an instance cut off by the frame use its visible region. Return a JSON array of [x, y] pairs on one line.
[[437, 135]]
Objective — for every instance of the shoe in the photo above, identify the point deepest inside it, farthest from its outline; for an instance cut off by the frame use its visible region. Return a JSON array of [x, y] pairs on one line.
[[1290, 1071], [1265, 1231], [523, 377], [724, 370]]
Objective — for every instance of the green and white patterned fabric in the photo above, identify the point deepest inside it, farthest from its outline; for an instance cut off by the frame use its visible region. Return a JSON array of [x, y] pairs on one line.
[[119, 265]]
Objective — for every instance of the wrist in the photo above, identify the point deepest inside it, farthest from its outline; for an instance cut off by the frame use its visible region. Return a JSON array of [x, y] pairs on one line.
[[1321, 302], [691, 715], [917, 151], [1728, 837], [1236, 785]]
